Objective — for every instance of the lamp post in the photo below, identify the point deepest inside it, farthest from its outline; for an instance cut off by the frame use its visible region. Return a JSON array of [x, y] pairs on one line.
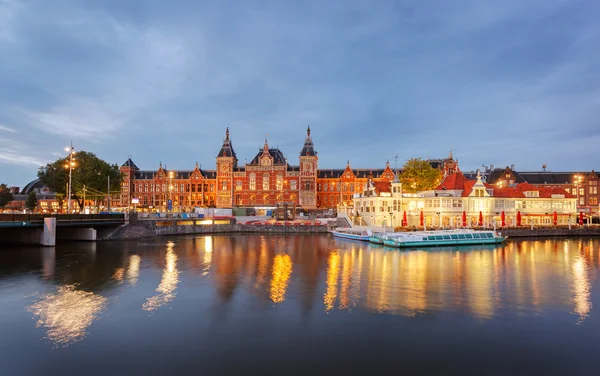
[[170, 187], [71, 151]]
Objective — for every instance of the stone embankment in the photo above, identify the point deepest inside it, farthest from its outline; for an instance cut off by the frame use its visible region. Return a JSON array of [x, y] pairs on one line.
[[551, 231], [145, 229]]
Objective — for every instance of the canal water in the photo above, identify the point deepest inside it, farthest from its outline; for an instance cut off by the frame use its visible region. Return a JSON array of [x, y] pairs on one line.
[[252, 304]]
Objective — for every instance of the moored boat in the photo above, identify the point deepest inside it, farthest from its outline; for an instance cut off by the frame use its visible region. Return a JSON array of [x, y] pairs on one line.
[[381, 237], [353, 233], [444, 237]]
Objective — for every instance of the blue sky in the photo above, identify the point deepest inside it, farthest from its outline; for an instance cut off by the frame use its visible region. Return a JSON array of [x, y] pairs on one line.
[[498, 82]]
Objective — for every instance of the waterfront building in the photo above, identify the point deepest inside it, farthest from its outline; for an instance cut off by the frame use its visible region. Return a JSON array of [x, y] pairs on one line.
[[459, 201], [267, 179]]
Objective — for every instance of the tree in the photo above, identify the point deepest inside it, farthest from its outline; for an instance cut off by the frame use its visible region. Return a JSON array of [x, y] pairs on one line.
[[5, 195], [418, 175], [89, 171], [31, 202]]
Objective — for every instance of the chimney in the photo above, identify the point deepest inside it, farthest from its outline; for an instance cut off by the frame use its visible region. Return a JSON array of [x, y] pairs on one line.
[[491, 167]]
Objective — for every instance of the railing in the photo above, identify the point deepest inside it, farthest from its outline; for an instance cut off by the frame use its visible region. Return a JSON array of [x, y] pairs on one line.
[[39, 218]]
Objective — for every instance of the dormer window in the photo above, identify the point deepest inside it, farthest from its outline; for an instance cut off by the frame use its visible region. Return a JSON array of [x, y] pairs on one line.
[[532, 194]]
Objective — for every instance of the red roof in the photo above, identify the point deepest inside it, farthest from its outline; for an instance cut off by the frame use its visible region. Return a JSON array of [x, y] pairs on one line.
[[382, 186], [454, 181]]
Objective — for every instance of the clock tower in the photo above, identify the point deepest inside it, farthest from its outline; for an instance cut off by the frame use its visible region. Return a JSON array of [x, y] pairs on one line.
[[226, 163], [308, 174]]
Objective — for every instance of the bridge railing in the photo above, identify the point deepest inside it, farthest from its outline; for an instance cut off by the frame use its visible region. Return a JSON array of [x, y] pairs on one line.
[[38, 218]]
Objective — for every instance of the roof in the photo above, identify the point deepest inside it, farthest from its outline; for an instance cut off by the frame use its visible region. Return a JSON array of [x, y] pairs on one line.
[[382, 186], [497, 173], [518, 191], [454, 181], [227, 148], [359, 173], [276, 154], [34, 184], [309, 148], [129, 163]]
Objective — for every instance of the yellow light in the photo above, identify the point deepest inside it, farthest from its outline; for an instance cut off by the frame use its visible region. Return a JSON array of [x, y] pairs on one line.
[[282, 269]]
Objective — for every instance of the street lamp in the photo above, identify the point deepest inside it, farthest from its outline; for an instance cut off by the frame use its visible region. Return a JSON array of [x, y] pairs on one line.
[[70, 164], [170, 182]]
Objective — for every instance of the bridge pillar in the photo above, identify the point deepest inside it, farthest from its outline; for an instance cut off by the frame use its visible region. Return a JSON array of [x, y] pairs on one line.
[[49, 233]]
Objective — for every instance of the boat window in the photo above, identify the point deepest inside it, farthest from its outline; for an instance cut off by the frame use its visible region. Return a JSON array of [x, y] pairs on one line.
[[439, 237], [431, 238], [490, 235], [447, 237], [454, 236], [476, 236], [469, 236], [461, 236]]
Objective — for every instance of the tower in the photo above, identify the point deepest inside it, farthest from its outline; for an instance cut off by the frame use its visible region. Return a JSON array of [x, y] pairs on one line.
[[308, 174], [128, 170], [226, 162]]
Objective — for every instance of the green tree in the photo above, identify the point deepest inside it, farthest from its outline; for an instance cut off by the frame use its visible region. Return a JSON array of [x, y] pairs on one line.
[[5, 195], [31, 201], [418, 175], [88, 170]]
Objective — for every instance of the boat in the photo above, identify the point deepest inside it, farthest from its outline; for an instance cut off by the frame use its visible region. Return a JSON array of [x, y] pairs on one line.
[[380, 237], [353, 233], [444, 238]]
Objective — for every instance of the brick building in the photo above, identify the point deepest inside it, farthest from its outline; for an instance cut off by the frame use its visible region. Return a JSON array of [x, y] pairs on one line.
[[267, 179]]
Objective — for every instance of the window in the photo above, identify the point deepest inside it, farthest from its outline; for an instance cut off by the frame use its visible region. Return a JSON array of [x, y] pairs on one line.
[[581, 201], [593, 200], [593, 189], [238, 185], [265, 185], [568, 190], [279, 182], [252, 182], [293, 185], [223, 185], [532, 194]]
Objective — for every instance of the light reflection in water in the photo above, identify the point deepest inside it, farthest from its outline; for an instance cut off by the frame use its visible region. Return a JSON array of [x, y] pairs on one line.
[[333, 271], [67, 314], [282, 269], [133, 272], [581, 288], [168, 283]]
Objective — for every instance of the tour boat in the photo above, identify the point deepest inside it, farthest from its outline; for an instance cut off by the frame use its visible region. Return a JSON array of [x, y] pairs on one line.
[[352, 233], [380, 237], [444, 237]]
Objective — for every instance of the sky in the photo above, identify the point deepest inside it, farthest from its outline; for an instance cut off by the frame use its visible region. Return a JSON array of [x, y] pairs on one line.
[[497, 82]]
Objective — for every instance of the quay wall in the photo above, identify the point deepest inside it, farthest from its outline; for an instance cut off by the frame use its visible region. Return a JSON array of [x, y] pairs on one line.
[[145, 229], [575, 231]]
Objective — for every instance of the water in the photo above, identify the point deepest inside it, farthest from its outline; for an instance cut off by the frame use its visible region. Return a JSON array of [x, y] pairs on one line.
[[301, 305]]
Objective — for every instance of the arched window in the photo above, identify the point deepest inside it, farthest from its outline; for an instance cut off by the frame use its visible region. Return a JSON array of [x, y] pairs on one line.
[[252, 182], [265, 182], [280, 182]]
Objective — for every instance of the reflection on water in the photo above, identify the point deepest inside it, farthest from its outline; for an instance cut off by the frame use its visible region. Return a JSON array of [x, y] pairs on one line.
[[282, 269], [333, 271], [67, 314], [168, 283], [317, 275]]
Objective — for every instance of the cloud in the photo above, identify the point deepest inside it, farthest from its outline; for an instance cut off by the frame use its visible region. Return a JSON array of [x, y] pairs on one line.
[[6, 129], [506, 81]]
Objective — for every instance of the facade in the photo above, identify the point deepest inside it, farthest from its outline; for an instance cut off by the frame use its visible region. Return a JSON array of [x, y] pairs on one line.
[[267, 179], [583, 185], [459, 199]]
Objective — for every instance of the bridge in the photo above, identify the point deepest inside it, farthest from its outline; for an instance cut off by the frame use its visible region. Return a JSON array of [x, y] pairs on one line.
[[45, 229]]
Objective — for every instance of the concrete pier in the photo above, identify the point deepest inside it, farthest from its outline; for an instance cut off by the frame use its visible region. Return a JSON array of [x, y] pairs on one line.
[[49, 232]]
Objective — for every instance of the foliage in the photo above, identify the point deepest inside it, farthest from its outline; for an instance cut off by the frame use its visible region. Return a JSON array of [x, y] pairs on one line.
[[418, 175], [88, 170], [31, 201], [5, 195]]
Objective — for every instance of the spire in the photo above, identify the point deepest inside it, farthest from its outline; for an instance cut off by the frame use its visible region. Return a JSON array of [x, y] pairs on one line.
[[196, 164], [266, 146], [227, 148], [387, 163], [160, 167], [348, 164], [309, 149], [450, 156]]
